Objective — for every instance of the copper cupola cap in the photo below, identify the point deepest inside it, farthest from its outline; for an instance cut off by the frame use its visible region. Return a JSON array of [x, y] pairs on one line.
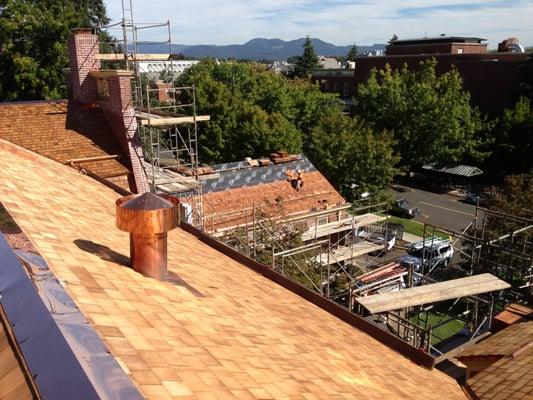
[[147, 201], [145, 214]]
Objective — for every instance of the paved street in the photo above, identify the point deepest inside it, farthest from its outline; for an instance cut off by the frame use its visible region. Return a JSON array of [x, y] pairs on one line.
[[439, 209]]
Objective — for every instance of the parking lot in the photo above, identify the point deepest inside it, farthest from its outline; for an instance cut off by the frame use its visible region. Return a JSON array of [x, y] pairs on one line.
[[443, 210]]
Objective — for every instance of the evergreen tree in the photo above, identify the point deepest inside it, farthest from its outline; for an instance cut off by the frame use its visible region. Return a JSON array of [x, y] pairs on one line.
[[352, 53], [308, 61]]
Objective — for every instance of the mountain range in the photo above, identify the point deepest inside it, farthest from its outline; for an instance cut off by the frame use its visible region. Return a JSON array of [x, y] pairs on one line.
[[257, 49]]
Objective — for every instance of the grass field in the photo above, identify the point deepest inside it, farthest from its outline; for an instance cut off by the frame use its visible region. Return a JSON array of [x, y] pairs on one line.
[[415, 227], [442, 332]]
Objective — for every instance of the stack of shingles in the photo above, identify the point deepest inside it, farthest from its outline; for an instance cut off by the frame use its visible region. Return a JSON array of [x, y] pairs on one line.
[[282, 157], [388, 270]]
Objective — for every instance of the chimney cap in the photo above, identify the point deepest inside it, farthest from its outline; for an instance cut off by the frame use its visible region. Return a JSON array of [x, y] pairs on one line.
[[146, 214], [83, 30]]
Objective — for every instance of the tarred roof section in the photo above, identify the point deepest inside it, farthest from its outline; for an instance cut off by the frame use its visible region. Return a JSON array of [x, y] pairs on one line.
[[316, 193], [63, 132]]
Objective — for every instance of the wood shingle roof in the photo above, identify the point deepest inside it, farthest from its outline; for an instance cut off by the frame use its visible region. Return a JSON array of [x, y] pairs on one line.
[[226, 332]]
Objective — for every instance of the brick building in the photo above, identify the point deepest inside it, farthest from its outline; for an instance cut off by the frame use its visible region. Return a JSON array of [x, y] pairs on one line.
[[493, 79], [437, 45]]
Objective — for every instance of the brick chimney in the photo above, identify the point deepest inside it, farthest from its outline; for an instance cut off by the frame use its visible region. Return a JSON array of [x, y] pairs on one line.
[[115, 100], [82, 51], [109, 90]]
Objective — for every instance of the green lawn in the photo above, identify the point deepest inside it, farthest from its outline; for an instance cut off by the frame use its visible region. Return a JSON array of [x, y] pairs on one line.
[[415, 227], [442, 332]]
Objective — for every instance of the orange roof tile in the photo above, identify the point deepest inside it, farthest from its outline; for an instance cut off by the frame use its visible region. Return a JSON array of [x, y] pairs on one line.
[[63, 132], [316, 193], [236, 335]]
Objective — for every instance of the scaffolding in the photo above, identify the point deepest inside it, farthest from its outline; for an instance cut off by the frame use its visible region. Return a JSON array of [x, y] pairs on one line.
[[506, 252], [166, 114], [326, 257]]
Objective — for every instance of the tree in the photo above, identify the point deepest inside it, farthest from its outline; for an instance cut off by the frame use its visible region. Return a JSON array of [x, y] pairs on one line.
[[33, 44], [504, 255], [513, 135], [253, 112], [308, 61], [352, 53], [351, 154], [429, 115]]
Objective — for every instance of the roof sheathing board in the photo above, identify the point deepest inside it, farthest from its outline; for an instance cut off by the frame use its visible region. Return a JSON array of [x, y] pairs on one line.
[[245, 337]]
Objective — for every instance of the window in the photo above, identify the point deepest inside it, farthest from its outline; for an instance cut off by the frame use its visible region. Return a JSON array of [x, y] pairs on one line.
[[322, 221], [444, 249], [460, 50]]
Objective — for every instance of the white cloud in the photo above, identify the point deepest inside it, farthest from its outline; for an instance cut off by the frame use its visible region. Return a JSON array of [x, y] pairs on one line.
[[336, 21]]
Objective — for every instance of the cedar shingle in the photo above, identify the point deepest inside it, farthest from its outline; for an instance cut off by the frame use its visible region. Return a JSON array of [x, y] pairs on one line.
[[245, 335], [61, 131]]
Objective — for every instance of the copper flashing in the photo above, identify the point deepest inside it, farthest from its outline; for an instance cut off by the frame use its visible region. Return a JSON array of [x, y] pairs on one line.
[[106, 73], [64, 355]]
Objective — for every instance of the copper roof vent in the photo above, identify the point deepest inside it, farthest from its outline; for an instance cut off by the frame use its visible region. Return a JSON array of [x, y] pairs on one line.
[[147, 218]]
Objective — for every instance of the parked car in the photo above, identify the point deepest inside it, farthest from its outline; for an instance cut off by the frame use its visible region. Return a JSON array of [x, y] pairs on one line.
[[475, 198], [431, 252], [402, 208]]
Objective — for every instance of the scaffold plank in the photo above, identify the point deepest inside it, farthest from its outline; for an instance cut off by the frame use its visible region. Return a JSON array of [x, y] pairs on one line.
[[432, 293], [345, 224], [156, 120], [131, 57]]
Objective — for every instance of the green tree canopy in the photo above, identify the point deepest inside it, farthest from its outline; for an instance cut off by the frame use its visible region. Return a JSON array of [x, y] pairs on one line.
[[308, 61], [33, 44], [253, 111], [352, 53], [513, 135], [429, 115], [509, 257], [351, 154]]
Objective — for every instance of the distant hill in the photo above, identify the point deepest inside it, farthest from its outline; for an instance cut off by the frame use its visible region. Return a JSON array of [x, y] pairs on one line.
[[257, 49]]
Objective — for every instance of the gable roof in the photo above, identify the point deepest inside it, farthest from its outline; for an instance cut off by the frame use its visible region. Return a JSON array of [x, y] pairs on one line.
[[228, 199], [61, 131], [224, 332]]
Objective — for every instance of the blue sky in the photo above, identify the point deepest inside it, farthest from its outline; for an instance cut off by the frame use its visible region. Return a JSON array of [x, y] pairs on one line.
[[336, 21]]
